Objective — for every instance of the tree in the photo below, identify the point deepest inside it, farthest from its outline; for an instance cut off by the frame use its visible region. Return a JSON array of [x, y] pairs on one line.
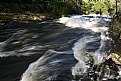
[[100, 6]]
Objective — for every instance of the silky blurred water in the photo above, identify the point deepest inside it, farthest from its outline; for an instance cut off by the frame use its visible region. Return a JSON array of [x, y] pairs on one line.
[[52, 50]]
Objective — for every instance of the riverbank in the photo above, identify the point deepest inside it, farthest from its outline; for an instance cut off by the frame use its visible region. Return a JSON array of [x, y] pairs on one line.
[[115, 29], [8, 17], [35, 10]]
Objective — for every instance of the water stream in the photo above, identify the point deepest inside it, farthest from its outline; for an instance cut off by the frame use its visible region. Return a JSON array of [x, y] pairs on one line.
[[66, 49]]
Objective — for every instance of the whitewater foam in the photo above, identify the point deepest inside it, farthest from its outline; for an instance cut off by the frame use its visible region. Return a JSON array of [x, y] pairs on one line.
[[47, 67], [79, 49], [95, 24]]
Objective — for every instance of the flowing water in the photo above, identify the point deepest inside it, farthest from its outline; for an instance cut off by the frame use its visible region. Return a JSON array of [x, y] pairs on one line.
[[66, 49]]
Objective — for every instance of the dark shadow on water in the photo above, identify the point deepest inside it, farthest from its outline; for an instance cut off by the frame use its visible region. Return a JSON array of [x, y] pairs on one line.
[[24, 42]]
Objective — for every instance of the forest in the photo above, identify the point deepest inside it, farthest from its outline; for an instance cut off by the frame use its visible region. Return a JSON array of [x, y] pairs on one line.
[[60, 7], [60, 40]]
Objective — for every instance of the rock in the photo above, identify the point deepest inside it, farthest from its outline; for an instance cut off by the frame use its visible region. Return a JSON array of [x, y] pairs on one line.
[[115, 57]]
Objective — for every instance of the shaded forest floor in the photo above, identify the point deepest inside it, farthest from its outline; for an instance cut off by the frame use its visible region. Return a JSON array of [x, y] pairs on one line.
[[8, 17]]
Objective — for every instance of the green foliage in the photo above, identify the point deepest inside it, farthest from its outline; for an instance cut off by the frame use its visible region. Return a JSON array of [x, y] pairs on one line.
[[53, 8], [104, 6], [60, 8], [99, 5], [87, 7], [116, 26], [111, 5], [119, 8]]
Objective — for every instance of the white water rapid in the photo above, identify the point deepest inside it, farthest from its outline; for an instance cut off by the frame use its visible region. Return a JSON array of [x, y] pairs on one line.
[[80, 53], [93, 33]]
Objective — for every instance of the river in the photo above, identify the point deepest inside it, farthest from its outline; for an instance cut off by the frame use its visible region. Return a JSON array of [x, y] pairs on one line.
[[65, 49]]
